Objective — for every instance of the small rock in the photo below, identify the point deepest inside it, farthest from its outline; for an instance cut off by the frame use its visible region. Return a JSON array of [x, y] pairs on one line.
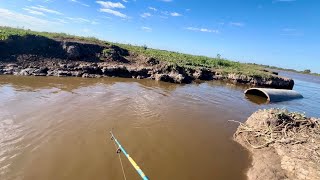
[[41, 70], [86, 75], [61, 73], [12, 65], [27, 72], [77, 73], [40, 74]]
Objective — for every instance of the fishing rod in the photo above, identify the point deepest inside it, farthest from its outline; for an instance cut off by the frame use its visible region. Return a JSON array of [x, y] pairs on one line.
[[133, 163]]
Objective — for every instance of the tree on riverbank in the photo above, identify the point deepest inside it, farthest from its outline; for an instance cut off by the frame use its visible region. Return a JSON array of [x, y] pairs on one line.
[[307, 71]]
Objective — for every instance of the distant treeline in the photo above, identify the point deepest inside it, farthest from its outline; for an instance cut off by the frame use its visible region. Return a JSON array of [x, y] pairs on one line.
[[306, 71]]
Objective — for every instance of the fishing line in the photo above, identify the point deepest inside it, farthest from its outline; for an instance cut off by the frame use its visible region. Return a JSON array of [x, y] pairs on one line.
[[124, 175]]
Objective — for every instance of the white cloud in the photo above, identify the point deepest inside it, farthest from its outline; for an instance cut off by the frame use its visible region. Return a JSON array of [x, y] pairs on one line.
[[239, 24], [152, 8], [44, 9], [76, 1], [202, 30], [125, 1], [113, 12], [110, 5], [11, 18], [106, 17], [175, 14], [95, 23], [30, 11], [62, 21], [107, 7], [145, 15], [146, 29], [79, 20], [165, 13]]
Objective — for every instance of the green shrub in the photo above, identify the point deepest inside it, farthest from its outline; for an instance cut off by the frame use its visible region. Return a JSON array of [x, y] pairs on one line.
[[307, 71]]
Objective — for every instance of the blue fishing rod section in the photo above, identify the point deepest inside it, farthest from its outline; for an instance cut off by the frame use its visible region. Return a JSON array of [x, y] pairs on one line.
[[133, 163]]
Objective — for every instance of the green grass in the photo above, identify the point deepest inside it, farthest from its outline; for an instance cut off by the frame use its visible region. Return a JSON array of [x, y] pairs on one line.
[[192, 61], [221, 65], [7, 32]]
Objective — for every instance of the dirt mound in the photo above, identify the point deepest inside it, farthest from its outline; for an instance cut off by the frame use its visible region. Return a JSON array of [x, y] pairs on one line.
[[283, 145]]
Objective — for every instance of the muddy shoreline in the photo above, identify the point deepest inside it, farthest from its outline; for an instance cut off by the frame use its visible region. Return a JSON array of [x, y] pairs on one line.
[[282, 145], [41, 56]]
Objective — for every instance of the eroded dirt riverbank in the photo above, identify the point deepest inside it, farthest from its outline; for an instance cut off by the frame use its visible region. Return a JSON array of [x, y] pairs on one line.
[[40, 56]]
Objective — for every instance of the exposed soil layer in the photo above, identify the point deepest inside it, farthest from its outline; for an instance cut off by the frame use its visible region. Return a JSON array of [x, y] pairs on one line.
[[283, 145], [32, 55]]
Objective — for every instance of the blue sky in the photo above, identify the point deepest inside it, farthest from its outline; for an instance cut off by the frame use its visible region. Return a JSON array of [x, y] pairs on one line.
[[283, 33]]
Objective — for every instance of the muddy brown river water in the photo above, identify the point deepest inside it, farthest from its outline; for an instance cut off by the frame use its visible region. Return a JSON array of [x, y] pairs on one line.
[[57, 128]]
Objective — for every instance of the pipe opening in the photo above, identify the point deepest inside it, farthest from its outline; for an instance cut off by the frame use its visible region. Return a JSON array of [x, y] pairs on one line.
[[257, 92]]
